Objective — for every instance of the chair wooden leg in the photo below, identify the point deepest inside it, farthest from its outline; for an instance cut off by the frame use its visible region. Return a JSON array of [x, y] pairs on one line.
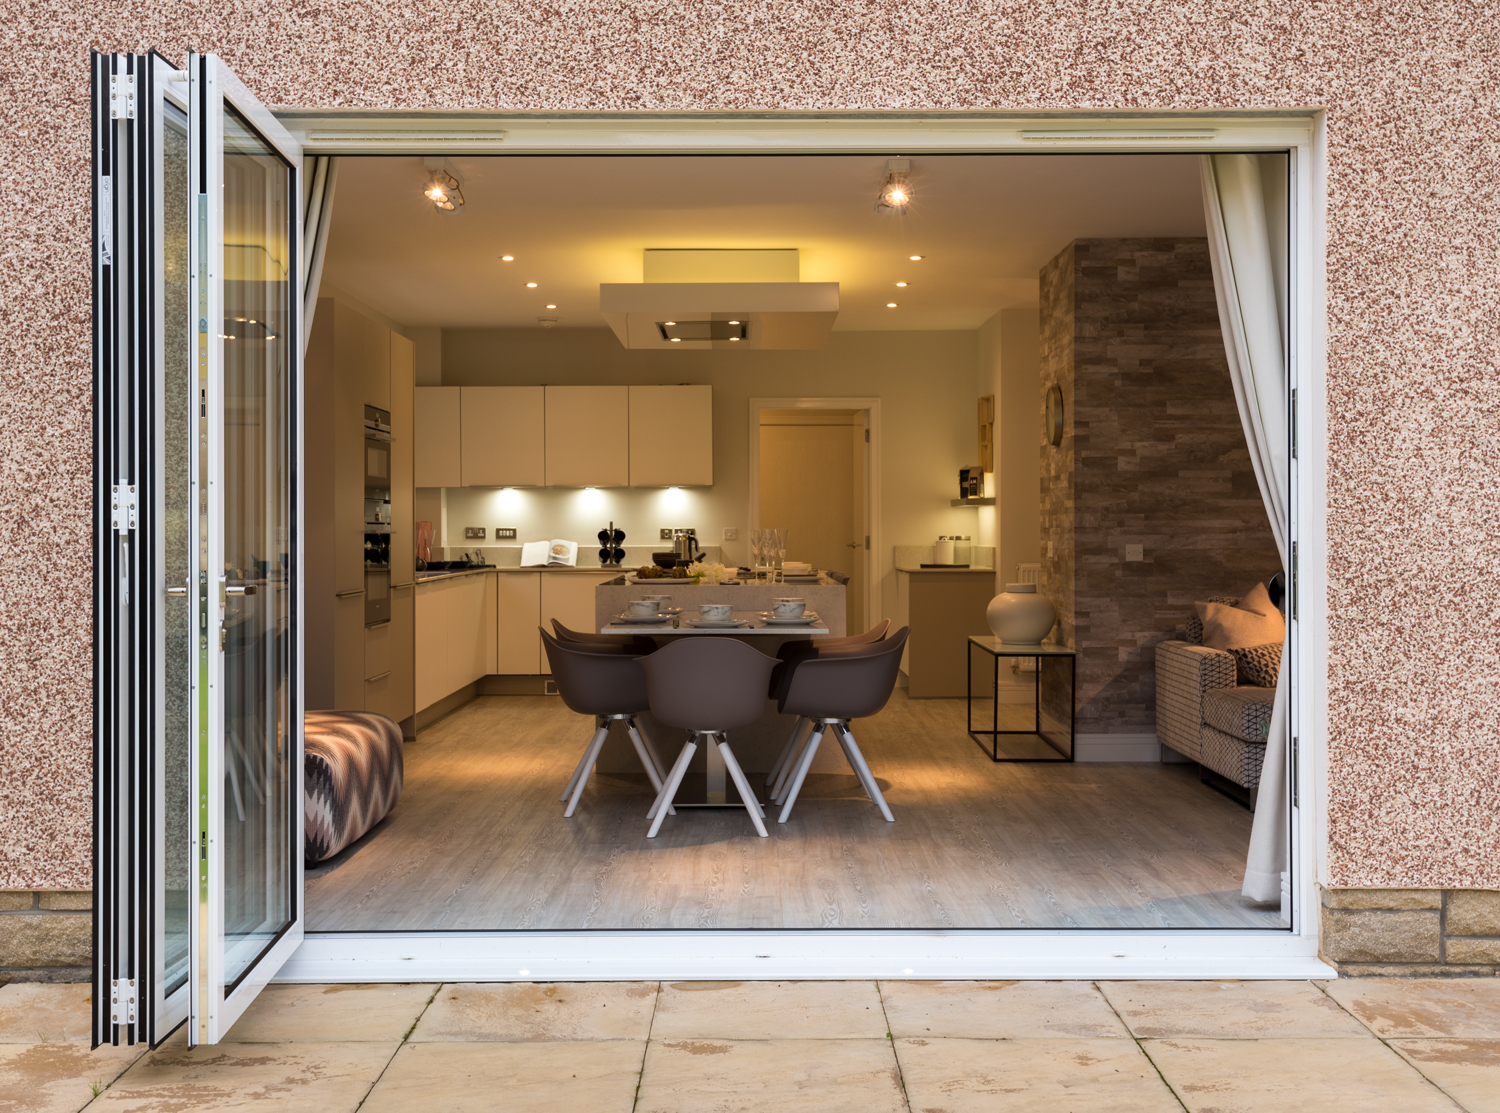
[[646, 763], [582, 764], [787, 752], [862, 768], [587, 767], [669, 790], [803, 764], [752, 805]]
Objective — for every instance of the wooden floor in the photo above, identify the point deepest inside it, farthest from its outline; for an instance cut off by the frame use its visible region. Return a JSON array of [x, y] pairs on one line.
[[479, 841]]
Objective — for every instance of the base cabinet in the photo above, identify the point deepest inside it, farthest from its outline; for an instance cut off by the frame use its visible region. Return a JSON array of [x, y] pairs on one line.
[[349, 659], [455, 635], [518, 650], [569, 598], [942, 609]]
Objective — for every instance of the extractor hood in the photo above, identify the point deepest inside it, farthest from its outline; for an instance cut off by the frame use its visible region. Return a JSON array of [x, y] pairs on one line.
[[720, 315]]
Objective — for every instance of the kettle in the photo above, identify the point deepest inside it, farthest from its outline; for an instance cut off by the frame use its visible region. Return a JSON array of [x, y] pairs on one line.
[[685, 541]]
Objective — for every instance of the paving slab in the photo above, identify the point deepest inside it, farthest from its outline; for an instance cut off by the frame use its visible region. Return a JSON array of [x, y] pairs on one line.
[[36, 1013], [1464, 1008], [289, 1077], [753, 1076], [331, 1013], [1055, 1075], [769, 1010], [595, 1076], [1277, 1075], [539, 1012], [999, 1010], [1468, 1071], [1230, 1010], [58, 1077]]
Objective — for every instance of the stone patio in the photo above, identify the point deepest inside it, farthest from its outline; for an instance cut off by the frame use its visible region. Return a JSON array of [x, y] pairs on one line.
[[1371, 1044]]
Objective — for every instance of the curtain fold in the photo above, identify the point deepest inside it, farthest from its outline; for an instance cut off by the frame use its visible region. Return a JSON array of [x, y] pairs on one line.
[[320, 173], [1249, 266]]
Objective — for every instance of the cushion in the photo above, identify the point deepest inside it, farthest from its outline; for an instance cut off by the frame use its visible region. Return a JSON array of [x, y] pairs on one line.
[[1194, 635], [1244, 713], [352, 774], [1226, 627], [1258, 665], [1232, 757]]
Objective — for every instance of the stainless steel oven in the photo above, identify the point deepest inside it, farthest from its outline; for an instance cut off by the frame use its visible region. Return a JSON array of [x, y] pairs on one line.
[[377, 448]]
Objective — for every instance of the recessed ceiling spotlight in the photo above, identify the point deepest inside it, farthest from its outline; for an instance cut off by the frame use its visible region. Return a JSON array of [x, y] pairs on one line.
[[551, 307], [890, 305], [734, 322], [669, 324], [913, 258], [901, 284], [507, 258], [895, 194], [676, 340], [733, 339], [531, 285]]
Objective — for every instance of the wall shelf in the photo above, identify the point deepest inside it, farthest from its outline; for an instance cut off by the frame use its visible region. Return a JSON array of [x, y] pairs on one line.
[[971, 502]]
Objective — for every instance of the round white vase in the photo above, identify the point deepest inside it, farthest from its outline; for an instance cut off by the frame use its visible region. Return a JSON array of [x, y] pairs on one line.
[[1021, 616]]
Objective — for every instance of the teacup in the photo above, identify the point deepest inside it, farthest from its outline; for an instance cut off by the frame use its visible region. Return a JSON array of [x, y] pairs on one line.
[[788, 608], [643, 608], [715, 612], [660, 600]]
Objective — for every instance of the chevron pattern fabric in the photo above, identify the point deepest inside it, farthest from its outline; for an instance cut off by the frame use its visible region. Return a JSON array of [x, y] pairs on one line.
[[352, 773]]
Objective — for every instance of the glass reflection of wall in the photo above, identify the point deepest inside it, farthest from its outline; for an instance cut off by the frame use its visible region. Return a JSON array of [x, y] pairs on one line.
[[258, 285]]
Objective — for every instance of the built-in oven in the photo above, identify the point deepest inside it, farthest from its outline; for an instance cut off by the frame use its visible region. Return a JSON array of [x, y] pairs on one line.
[[377, 517], [377, 448]]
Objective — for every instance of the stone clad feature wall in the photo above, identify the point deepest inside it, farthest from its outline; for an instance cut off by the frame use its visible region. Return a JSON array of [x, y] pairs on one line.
[[1153, 454]]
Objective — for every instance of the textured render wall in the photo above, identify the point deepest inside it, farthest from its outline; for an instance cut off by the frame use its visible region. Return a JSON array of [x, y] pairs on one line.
[[1413, 289], [1153, 455]]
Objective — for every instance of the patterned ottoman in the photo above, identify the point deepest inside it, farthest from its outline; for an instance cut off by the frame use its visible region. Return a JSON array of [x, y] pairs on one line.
[[351, 777]]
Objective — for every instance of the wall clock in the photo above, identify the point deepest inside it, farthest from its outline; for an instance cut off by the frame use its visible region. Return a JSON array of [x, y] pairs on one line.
[[1052, 426]]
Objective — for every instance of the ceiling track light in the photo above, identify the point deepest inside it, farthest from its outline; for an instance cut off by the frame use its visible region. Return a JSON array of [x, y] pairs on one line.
[[442, 186], [895, 193]]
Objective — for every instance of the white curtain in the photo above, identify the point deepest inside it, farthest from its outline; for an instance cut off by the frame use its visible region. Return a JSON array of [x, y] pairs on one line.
[[319, 172], [1244, 201]]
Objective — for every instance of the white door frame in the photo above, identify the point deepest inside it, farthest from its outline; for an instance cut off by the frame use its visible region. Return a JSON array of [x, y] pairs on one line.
[[603, 955], [874, 574]]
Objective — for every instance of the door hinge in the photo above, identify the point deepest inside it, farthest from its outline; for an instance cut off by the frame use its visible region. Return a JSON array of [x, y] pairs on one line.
[[1294, 581], [867, 436], [106, 212], [122, 96], [867, 542], [1294, 423], [122, 1000], [1292, 761], [122, 507]]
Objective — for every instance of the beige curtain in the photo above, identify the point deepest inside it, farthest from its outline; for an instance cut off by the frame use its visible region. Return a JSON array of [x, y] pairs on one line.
[[1244, 201], [320, 173]]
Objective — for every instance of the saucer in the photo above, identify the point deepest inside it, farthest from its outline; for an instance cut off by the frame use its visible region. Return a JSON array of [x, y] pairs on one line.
[[807, 618], [632, 620], [715, 623]]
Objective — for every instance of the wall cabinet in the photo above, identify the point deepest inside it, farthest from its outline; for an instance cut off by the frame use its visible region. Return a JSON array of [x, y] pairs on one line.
[[437, 460], [588, 435], [502, 430], [455, 635], [671, 436]]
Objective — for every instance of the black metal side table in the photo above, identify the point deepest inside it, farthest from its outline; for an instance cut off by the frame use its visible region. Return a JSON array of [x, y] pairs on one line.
[[1051, 736]]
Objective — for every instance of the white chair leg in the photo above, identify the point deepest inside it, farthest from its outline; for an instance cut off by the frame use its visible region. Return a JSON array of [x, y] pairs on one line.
[[752, 805], [646, 763], [862, 768], [853, 768], [803, 764], [589, 757], [669, 790], [582, 764], [779, 792], [635, 728], [786, 752]]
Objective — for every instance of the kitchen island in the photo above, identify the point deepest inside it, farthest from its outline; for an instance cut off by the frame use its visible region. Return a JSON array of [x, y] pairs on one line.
[[826, 597]]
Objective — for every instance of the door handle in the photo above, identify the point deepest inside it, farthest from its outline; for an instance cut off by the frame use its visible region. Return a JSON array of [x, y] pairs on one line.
[[852, 545], [248, 589], [176, 591]]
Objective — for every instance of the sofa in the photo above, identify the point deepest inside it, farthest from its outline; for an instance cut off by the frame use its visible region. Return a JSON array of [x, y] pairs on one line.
[[1206, 715]]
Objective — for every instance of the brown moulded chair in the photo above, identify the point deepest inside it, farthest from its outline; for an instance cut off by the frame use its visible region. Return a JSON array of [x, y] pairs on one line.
[[791, 654], [610, 686], [707, 686], [832, 691], [633, 644]]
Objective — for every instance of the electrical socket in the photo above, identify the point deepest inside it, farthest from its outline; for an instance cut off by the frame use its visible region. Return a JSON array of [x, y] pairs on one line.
[[473, 533], [666, 535], [731, 533], [505, 533], [1135, 552]]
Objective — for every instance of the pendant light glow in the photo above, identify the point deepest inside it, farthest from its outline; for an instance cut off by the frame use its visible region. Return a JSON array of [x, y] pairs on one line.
[[895, 194]]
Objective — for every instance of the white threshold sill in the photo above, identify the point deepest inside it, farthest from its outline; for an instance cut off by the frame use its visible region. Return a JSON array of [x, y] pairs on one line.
[[341, 957]]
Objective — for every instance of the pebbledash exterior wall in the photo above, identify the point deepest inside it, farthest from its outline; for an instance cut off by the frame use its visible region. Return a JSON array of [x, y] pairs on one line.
[[1411, 94]]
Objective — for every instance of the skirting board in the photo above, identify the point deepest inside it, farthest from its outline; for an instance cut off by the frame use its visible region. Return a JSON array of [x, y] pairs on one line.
[[806, 955], [1116, 747]]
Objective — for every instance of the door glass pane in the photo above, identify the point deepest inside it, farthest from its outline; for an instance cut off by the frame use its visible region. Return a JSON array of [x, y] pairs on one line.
[[177, 556], [259, 280]]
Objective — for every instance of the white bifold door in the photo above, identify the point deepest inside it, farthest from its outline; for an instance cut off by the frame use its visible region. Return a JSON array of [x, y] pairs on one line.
[[198, 590]]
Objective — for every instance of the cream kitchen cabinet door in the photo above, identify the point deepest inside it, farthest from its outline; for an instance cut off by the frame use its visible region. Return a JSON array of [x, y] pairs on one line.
[[455, 635], [588, 436], [671, 436], [437, 456], [518, 647], [503, 436], [569, 598]]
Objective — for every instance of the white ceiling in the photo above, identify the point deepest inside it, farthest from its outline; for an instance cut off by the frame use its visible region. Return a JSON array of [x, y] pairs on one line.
[[985, 225]]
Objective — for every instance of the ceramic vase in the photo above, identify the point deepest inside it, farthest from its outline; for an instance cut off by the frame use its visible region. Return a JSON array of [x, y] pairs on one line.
[[1021, 616]]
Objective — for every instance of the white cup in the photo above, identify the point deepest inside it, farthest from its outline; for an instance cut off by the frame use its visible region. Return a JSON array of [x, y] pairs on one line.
[[788, 608], [715, 612], [643, 608], [660, 600]]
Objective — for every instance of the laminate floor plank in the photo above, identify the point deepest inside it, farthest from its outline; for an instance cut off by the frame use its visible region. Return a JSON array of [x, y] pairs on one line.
[[479, 842]]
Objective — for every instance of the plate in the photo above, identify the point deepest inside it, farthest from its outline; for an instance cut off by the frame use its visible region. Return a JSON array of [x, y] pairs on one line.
[[807, 619], [632, 620], [715, 623]]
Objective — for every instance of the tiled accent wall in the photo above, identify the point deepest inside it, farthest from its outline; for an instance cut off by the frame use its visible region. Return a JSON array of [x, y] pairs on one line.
[[46, 936], [1411, 931], [1153, 454]]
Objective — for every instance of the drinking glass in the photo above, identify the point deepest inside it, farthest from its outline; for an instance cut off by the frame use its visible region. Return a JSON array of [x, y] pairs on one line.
[[778, 572], [757, 543]]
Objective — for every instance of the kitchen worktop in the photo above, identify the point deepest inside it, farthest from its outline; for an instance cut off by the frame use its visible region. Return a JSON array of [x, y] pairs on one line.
[[919, 571], [429, 577]]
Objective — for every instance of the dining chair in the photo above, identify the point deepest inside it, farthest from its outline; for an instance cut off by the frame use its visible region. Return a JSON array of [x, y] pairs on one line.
[[791, 654], [707, 686], [834, 690], [634, 644], [611, 687]]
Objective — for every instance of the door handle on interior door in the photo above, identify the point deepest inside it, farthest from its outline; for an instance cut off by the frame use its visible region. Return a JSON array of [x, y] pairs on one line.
[[852, 545]]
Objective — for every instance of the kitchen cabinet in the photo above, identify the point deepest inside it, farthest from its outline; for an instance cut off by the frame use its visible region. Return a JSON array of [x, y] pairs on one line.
[[403, 652], [671, 436], [502, 434], [362, 377], [569, 598], [588, 434], [942, 608], [437, 459], [349, 652], [403, 380], [518, 650], [455, 635]]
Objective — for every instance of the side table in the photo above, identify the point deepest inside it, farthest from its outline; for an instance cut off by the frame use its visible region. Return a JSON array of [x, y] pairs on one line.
[[1051, 735]]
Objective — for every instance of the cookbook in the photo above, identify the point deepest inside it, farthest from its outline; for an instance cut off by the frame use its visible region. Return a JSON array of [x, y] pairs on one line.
[[549, 554]]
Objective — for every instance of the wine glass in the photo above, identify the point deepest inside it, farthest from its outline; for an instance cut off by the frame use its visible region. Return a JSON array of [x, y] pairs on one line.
[[757, 548]]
